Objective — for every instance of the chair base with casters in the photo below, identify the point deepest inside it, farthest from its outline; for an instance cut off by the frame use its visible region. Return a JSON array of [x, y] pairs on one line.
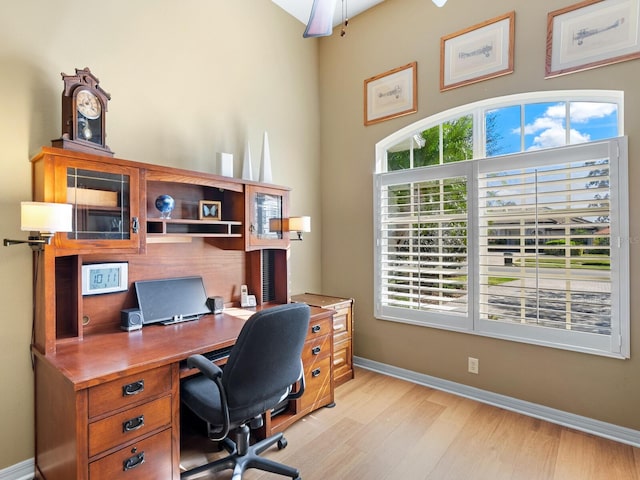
[[243, 456]]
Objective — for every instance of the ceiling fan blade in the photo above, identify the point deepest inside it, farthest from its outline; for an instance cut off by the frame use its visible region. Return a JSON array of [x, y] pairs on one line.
[[321, 19]]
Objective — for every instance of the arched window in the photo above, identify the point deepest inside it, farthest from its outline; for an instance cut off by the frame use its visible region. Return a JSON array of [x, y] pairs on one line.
[[509, 218]]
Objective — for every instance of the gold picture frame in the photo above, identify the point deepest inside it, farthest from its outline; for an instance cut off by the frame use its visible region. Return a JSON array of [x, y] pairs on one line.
[[477, 53], [591, 34], [209, 210], [391, 94]]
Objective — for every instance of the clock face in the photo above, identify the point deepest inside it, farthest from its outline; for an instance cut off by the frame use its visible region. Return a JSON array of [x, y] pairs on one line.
[[104, 278], [88, 104], [89, 118], [101, 278]]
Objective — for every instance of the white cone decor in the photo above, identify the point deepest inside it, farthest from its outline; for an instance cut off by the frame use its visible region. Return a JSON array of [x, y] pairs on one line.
[[247, 174], [265, 161]]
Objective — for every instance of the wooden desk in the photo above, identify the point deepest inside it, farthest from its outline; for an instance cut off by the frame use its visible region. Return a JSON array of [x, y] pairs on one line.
[[109, 401]]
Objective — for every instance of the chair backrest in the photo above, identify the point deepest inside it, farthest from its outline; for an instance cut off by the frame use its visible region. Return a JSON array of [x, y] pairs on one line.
[[265, 361]]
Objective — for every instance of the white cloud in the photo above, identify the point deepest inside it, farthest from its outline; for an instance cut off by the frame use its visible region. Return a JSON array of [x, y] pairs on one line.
[[579, 137], [583, 112], [553, 136], [556, 137], [549, 128]]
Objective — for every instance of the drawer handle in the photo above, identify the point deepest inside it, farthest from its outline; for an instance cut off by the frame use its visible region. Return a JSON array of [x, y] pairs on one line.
[[133, 424], [315, 329], [133, 388], [315, 373], [132, 462], [316, 350]]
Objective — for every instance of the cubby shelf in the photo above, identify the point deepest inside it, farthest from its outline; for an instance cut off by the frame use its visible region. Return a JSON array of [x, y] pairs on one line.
[[157, 227]]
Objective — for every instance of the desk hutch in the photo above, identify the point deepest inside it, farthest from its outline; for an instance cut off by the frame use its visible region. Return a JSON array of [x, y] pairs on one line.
[[107, 401]]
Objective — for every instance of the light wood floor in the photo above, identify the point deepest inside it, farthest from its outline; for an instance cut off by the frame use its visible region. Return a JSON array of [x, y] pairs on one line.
[[383, 428]]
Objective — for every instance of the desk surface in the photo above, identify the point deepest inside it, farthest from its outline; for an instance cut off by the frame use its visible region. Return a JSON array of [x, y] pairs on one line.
[[99, 358]]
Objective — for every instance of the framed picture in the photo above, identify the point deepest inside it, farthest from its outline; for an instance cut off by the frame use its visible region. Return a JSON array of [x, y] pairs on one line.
[[591, 34], [209, 210], [477, 53], [391, 94]]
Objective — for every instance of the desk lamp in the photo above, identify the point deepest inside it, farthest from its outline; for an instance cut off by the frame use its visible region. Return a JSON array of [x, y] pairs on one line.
[[299, 225], [43, 220]]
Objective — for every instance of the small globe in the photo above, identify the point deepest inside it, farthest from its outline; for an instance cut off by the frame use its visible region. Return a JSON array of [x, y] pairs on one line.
[[165, 204]]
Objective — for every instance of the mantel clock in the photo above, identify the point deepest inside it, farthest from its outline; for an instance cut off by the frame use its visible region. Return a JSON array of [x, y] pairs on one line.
[[84, 107]]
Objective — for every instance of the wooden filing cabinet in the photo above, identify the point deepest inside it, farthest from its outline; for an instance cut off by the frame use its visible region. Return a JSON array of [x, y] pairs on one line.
[[316, 358], [342, 331], [318, 374]]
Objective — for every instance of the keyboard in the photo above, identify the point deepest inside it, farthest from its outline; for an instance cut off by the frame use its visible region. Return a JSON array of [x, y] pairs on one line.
[[218, 354], [214, 356]]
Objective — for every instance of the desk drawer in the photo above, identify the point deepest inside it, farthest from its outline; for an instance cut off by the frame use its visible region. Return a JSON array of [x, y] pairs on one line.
[[315, 348], [317, 378], [341, 318], [319, 327], [342, 360], [128, 390], [125, 426], [149, 459]]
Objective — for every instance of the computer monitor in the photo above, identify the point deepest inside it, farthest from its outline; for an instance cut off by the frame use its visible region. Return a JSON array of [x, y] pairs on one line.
[[171, 300]]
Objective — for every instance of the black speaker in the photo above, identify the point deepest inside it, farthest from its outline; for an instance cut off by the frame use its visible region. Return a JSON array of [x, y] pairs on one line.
[[131, 319], [215, 304]]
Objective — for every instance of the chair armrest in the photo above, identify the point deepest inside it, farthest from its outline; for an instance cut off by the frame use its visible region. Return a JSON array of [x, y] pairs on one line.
[[214, 373], [300, 391], [206, 366]]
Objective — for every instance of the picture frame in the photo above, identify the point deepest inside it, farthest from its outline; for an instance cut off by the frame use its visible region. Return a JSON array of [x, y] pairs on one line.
[[477, 53], [591, 34], [209, 210], [391, 94]]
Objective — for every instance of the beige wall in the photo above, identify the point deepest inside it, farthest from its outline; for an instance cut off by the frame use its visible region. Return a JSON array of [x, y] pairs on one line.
[[187, 79], [393, 34]]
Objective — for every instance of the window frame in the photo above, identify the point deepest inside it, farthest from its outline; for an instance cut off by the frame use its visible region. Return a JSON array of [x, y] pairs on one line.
[[617, 344]]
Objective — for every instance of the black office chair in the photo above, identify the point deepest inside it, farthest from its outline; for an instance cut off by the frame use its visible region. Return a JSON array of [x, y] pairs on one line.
[[262, 367]]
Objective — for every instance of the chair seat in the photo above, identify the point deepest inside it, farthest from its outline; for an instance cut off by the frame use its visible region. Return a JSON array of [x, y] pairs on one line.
[[203, 398], [201, 394]]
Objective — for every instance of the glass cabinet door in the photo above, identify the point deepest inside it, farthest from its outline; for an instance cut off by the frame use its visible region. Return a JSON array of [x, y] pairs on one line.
[[267, 207], [105, 205], [101, 201]]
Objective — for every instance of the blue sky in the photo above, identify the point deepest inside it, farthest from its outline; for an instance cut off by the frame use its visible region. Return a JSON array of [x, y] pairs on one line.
[[545, 125]]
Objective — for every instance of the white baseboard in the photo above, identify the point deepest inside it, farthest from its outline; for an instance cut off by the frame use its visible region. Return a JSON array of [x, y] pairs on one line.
[[577, 422], [19, 471]]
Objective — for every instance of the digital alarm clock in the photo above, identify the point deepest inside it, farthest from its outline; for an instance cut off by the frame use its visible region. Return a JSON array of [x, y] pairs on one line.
[[100, 278]]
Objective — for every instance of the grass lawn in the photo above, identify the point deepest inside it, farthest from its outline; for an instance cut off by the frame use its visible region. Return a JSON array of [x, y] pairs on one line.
[[591, 262]]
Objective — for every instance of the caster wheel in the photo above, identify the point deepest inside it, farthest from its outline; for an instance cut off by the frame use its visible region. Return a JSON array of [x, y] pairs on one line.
[[282, 443]]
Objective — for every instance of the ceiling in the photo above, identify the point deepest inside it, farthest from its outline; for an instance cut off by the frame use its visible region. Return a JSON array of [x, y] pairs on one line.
[[301, 9]]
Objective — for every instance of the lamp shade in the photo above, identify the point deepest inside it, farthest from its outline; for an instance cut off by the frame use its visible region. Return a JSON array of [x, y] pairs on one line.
[[321, 19], [45, 217], [299, 224], [439, 3]]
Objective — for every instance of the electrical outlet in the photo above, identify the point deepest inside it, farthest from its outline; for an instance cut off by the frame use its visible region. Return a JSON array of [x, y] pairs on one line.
[[474, 365]]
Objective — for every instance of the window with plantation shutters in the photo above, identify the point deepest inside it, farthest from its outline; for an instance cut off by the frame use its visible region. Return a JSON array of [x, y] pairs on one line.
[[424, 246], [530, 246]]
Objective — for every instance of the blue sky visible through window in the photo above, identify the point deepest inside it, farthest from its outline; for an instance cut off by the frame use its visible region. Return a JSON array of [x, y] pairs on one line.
[[545, 125]]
